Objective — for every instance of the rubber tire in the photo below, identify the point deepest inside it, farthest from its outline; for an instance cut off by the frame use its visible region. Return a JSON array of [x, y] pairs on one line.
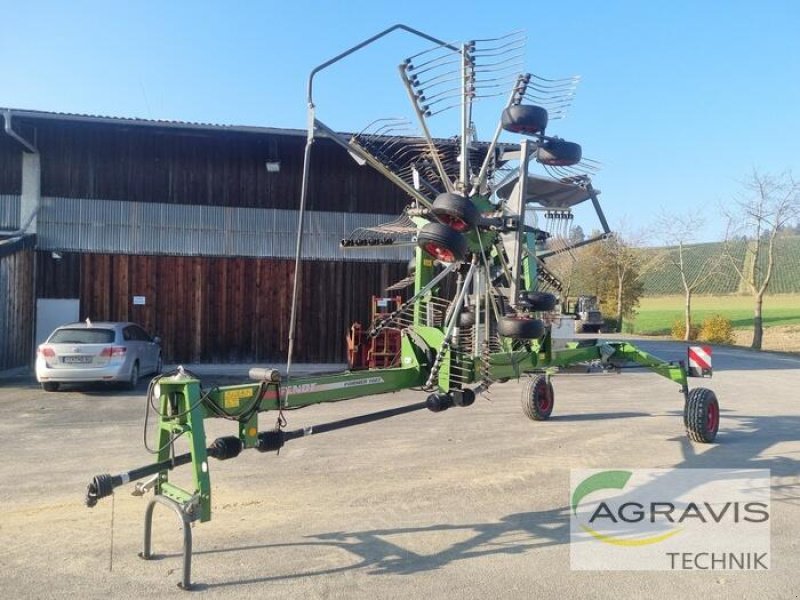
[[455, 211], [701, 415], [50, 386], [520, 327], [452, 243], [540, 301], [133, 381], [558, 153], [538, 398], [525, 119], [438, 402], [466, 318], [467, 398]]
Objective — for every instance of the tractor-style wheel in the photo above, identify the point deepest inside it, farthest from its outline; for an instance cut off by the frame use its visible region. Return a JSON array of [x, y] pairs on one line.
[[525, 119], [524, 328], [701, 415], [538, 398], [455, 211], [539, 301], [558, 153], [442, 242]]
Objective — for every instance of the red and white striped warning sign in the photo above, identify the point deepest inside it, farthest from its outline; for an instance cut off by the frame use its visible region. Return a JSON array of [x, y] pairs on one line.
[[699, 361]]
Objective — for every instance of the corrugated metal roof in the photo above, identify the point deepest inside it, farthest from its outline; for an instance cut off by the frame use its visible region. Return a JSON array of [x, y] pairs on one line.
[[22, 113], [139, 122]]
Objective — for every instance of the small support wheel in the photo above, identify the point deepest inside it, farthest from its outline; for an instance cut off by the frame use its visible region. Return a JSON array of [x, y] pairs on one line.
[[701, 415], [455, 211], [556, 152], [539, 301], [463, 398], [466, 318], [439, 402], [538, 398], [523, 328], [525, 119], [442, 242]]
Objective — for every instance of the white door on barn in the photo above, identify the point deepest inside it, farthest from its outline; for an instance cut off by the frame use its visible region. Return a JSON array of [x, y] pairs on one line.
[[50, 313]]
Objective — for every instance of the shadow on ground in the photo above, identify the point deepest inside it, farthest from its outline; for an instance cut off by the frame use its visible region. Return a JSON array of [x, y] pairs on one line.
[[740, 447]]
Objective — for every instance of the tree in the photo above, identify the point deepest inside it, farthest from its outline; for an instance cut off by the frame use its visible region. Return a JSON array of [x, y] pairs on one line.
[[678, 232], [766, 206], [576, 234], [623, 265]]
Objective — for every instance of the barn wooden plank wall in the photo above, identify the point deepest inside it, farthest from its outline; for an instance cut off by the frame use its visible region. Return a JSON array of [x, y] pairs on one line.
[[16, 309], [219, 168], [223, 309]]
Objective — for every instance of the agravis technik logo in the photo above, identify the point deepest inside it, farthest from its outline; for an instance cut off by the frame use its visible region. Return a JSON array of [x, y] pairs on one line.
[[669, 519]]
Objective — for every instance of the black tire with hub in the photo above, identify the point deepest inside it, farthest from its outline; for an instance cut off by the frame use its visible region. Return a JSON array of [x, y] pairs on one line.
[[455, 211], [442, 242], [466, 318], [538, 398], [520, 327], [701, 415], [525, 119], [558, 153], [539, 301]]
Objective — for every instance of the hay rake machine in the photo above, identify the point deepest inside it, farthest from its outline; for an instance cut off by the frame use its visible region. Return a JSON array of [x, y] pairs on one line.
[[483, 305]]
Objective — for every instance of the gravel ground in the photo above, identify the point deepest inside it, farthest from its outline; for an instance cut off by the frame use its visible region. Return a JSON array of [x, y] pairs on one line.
[[469, 503]]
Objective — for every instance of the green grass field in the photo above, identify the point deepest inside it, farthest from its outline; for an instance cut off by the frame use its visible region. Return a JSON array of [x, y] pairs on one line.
[[656, 314]]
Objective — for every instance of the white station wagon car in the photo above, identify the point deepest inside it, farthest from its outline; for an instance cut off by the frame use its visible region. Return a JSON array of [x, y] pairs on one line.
[[103, 351]]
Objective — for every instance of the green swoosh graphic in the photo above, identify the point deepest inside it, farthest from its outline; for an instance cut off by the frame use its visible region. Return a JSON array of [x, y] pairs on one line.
[[599, 481]]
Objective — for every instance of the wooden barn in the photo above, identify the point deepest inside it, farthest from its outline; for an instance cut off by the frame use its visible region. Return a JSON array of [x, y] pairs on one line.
[[188, 229]]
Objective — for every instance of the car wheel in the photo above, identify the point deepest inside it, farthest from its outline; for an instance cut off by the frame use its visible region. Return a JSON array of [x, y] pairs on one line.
[[134, 378], [50, 386]]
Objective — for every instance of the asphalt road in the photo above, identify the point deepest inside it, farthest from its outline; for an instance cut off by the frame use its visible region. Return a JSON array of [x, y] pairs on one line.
[[469, 503]]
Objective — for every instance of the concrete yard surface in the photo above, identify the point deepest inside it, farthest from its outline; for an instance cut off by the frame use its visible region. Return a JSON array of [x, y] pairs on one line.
[[468, 503]]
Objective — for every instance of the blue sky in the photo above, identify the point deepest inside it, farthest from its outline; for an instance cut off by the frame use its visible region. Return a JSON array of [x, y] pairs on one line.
[[679, 100]]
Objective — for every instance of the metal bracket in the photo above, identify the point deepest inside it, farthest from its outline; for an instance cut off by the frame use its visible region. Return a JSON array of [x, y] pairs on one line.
[[186, 515], [144, 486]]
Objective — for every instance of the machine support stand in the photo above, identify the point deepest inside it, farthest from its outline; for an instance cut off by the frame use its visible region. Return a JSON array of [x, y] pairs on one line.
[[186, 518]]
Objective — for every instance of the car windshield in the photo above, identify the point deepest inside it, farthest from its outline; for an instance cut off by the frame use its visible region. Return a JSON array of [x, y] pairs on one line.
[[82, 336]]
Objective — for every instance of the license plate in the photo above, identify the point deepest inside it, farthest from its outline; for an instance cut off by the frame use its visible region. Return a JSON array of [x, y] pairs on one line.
[[73, 360]]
